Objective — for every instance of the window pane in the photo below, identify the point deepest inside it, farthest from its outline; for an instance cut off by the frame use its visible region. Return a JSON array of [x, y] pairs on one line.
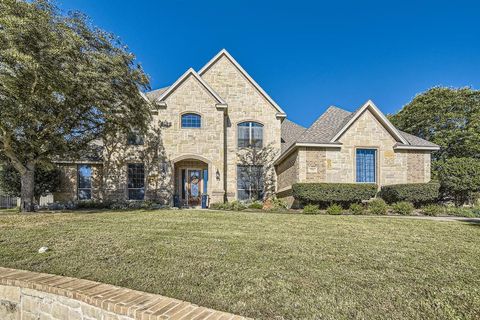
[[191, 120], [243, 136], [84, 194], [136, 181], [134, 138], [249, 182], [84, 176], [365, 163], [250, 134]]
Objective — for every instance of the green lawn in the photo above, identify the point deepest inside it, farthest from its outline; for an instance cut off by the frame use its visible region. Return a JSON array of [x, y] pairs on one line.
[[263, 265]]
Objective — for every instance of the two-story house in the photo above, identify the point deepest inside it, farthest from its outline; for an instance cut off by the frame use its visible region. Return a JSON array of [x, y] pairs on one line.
[[205, 117]]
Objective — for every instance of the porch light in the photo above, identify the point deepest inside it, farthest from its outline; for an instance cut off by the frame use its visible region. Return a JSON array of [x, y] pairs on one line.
[[217, 174]]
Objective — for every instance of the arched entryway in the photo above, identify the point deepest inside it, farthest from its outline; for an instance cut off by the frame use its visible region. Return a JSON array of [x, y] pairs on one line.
[[191, 181]]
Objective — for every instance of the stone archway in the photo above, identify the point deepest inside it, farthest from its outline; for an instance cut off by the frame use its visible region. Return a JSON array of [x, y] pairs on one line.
[[191, 180]]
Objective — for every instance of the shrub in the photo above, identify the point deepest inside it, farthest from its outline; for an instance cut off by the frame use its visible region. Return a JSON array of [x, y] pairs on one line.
[[433, 210], [357, 209], [417, 193], [311, 209], [334, 209], [236, 205], [377, 206], [274, 204], [403, 208], [463, 212], [255, 205], [325, 193], [218, 206], [459, 178]]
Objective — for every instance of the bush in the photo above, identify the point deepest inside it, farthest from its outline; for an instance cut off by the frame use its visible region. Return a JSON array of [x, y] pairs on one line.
[[311, 209], [463, 212], [334, 209], [255, 205], [378, 207], [325, 193], [357, 209], [274, 204], [434, 210], [237, 205], [417, 193], [403, 208], [218, 206], [459, 179]]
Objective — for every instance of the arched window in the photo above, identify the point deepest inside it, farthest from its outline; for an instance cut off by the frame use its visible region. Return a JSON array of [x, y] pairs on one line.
[[250, 134], [191, 120]]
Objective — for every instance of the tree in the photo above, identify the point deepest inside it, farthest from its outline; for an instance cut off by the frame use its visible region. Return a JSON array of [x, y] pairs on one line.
[[63, 84], [47, 180], [448, 117], [256, 173], [460, 179]]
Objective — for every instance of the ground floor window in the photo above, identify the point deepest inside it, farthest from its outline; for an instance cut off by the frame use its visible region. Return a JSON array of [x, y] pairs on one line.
[[249, 182], [366, 165], [136, 181], [84, 188]]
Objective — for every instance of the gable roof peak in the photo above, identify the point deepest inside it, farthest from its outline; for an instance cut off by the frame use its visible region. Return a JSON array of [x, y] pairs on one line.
[[224, 53], [183, 77], [378, 114]]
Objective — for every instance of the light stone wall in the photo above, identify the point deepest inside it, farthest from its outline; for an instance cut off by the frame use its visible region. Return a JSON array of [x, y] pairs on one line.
[[245, 103], [338, 164], [205, 143], [22, 303]]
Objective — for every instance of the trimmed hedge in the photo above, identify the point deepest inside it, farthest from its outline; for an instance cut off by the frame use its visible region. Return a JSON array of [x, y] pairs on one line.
[[417, 193], [325, 193]]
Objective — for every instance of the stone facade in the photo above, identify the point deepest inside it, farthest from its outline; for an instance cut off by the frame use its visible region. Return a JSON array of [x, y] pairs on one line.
[[224, 95], [337, 163], [37, 296], [213, 145]]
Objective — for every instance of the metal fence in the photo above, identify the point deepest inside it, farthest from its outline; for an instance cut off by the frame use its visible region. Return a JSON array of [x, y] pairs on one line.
[[7, 202]]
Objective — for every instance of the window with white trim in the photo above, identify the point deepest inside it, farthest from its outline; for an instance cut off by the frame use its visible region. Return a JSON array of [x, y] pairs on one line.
[[250, 134]]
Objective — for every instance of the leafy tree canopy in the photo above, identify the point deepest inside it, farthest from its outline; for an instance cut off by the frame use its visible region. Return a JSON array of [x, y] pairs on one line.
[[63, 84], [448, 117]]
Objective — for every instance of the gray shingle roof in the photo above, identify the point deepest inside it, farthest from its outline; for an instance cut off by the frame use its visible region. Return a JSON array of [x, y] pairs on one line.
[[328, 125], [155, 94], [290, 133]]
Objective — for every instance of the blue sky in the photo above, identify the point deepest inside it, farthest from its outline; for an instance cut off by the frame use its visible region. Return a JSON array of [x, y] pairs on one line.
[[306, 54]]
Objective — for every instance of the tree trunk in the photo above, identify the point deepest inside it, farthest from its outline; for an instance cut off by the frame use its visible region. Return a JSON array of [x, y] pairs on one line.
[[27, 190]]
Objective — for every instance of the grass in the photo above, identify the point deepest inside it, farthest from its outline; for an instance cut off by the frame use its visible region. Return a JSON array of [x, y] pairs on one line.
[[263, 265]]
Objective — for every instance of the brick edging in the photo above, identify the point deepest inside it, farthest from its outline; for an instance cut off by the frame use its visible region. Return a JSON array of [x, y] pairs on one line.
[[121, 301]]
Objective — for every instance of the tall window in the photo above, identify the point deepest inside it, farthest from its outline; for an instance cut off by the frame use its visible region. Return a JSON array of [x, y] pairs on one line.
[[250, 134], [84, 182], [191, 120], [136, 181], [249, 182], [366, 165], [134, 138]]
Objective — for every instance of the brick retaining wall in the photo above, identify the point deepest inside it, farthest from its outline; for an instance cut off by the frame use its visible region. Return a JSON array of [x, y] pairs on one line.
[[32, 295]]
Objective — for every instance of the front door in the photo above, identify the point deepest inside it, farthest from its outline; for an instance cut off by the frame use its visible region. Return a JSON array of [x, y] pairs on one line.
[[194, 191]]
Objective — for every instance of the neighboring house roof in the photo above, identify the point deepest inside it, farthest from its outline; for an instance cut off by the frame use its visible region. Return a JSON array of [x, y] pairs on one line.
[[225, 53], [330, 126]]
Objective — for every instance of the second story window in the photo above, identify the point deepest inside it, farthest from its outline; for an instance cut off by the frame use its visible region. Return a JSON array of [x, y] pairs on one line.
[[191, 120], [250, 134], [134, 138]]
